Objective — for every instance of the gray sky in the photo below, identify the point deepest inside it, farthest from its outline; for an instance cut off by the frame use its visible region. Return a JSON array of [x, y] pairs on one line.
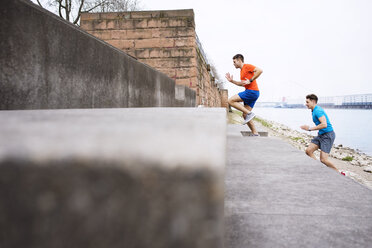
[[303, 46]]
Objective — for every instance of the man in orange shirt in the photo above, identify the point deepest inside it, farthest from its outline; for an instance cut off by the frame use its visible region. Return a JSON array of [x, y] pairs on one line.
[[248, 75]]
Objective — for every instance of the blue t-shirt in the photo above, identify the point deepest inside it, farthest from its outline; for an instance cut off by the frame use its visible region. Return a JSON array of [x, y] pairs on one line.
[[317, 113]]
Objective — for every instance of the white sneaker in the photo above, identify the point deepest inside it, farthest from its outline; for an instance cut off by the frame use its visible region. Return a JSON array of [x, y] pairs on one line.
[[248, 118]]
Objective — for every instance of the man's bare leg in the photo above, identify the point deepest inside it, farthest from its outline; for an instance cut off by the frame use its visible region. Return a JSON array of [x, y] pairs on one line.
[[324, 159], [250, 123], [234, 101], [252, 127], [323, 156], [311, 149]]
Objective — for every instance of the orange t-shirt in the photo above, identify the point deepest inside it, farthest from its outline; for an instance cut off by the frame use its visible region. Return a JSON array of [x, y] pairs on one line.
[[247, 73]]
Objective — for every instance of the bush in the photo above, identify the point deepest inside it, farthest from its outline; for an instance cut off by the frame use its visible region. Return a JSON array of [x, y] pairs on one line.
[[297, 139], [348, 158]]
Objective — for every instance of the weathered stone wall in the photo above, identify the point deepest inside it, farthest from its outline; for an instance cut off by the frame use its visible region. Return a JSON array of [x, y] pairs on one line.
[[165, 40], [224, 99], [48, 63]]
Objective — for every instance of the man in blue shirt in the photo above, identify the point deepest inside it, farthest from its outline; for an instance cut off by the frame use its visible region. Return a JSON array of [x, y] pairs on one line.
[[326, 135]]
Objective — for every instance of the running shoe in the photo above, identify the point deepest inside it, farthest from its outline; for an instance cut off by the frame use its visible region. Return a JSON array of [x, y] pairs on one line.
[[248, 118], [344, 173]]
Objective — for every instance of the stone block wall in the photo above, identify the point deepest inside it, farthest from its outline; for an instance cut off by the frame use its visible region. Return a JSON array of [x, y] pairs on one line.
[[224, 99], [165, 40]]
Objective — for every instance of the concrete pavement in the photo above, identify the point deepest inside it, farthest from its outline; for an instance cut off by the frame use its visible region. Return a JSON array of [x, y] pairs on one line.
[[276, 196]]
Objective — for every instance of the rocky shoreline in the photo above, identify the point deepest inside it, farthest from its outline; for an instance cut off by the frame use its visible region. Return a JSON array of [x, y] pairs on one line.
[[301, 139]]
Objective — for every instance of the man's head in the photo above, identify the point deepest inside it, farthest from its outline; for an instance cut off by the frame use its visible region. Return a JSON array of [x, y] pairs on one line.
[[238, 61], [311, 101]]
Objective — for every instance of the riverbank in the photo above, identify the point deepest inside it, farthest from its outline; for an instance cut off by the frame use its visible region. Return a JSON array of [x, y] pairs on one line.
[[355, 163]]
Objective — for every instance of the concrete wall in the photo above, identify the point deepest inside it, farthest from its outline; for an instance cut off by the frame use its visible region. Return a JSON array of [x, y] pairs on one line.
[[112, 178], [165, 40], [48, 63]]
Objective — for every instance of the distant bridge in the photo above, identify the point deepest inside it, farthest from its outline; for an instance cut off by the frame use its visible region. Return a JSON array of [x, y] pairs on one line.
[[360, 101]]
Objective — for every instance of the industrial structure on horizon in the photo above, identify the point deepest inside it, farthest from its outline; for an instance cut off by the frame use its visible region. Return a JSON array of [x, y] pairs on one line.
[[359, 101]]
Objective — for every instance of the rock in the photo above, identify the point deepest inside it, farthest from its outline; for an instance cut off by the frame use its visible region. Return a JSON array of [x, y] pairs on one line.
[[368, 168], [354, 162]]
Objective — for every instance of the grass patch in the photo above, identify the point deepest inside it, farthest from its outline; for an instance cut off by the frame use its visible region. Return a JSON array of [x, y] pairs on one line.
[[237, 112], [348, 158], [263, 122], [297, 139]]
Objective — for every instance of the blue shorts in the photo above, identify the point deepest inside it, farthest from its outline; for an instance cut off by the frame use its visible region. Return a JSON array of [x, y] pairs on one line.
[[249, 97]]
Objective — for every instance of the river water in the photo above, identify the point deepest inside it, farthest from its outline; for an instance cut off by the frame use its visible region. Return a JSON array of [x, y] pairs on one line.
[[353, 127]]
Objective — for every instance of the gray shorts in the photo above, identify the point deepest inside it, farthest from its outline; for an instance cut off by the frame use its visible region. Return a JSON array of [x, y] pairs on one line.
[[325, 141]]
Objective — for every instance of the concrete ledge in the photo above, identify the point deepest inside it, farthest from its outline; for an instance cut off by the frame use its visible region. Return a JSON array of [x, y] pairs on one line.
[[48, 63], [142, 177], [185, 97]]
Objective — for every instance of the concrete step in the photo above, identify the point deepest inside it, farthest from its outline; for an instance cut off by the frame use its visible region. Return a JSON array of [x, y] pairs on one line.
[[244, 131], [139, 177], [249, 133]]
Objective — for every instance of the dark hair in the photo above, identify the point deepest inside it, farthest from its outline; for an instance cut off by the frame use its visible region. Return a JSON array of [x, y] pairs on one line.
[[312, 97], [239, 56]]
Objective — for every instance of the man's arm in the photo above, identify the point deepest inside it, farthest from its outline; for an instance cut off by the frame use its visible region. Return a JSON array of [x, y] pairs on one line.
[[231, 80], [256, 73], [322, 124]]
